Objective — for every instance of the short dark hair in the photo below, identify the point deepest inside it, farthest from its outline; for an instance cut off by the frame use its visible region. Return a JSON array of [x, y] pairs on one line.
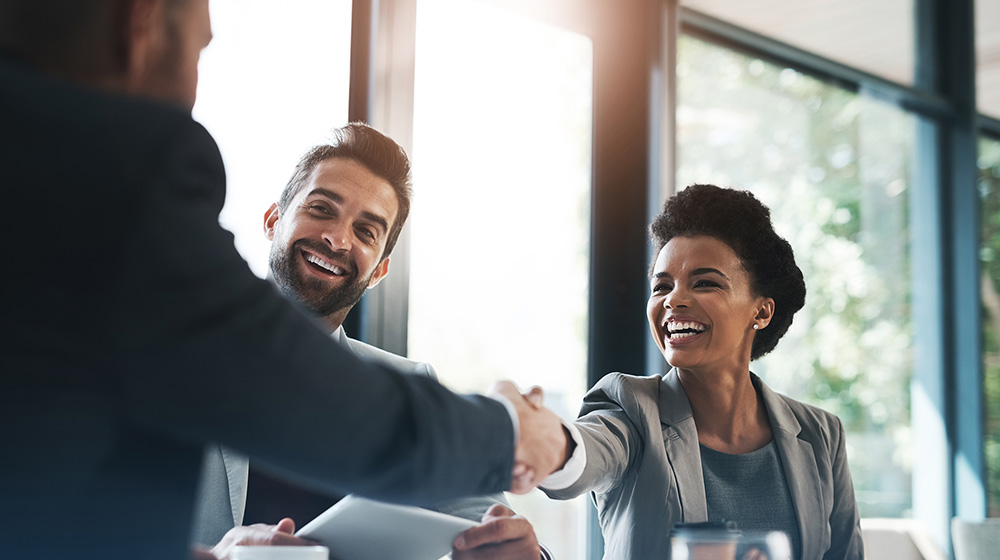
[[743, 223], [377, 152]]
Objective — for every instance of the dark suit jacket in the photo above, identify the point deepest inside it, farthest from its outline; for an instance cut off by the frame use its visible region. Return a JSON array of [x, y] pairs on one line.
[[133, 333], [223, 492], [644, 467]]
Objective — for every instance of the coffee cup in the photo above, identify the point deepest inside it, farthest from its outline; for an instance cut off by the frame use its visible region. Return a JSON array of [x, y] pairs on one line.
[[280, 553]]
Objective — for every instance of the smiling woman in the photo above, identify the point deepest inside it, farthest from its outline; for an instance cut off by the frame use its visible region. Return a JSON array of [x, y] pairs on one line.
[[701, 294], [709, 441]]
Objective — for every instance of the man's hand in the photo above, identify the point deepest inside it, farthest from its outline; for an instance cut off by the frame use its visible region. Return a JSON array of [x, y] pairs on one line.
[[542, 445], [282, 534], [502, 535]]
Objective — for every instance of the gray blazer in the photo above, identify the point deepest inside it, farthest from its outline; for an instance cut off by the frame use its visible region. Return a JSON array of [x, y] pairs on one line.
[[644, 467], [222, 491]]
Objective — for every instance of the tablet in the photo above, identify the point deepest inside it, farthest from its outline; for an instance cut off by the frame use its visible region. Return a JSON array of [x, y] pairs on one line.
[[360, 529]]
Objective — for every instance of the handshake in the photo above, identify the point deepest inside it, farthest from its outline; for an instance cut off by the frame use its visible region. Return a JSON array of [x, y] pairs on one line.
[[543, 443]]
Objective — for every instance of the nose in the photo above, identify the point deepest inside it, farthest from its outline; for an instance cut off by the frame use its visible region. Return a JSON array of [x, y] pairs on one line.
[[675, 298], [338, 236]]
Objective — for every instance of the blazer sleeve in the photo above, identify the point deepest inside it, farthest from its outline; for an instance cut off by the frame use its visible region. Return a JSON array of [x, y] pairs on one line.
[[611, 440], [845, 521], [208, 351]]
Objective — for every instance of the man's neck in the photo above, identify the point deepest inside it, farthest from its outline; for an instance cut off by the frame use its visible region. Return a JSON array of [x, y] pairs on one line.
[[334, 320]]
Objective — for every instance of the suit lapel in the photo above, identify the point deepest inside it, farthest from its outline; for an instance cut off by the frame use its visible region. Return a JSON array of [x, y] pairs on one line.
[[680, 440], [237, 473], [801, 472]]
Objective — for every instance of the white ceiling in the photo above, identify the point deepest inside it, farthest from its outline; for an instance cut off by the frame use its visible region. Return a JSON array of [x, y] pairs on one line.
[[876, 37]]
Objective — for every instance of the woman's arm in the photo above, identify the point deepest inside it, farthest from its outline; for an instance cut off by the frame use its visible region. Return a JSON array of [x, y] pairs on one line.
[[611, 441]]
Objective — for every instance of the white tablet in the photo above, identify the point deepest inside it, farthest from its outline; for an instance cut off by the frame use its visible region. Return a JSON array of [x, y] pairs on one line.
[[359, 529]]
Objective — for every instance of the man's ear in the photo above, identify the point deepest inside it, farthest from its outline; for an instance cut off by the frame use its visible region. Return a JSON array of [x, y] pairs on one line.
[[143, 31], [270, 220], [380, 272]]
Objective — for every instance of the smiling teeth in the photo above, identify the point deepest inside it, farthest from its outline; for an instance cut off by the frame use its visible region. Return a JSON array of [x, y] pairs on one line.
[[323, 264], [682, 335], [688, 328]]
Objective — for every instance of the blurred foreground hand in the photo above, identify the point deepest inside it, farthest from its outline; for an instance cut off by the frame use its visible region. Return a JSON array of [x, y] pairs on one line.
[[282, 534]]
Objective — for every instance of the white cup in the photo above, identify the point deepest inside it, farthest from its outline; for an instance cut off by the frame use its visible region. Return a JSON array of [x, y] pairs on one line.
[[280, 553]]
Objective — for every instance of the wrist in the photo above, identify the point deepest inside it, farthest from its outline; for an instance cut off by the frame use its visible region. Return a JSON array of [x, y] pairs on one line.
[[568, 449]]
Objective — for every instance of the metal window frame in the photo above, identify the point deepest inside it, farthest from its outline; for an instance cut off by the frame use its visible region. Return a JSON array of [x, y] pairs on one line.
[[383, 37], [988, 126]]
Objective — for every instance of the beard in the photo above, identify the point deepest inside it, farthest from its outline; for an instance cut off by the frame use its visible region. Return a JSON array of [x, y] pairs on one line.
[[315, 295]]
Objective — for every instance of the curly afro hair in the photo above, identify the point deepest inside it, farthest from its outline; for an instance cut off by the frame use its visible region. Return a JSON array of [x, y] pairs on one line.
[[739, 220]]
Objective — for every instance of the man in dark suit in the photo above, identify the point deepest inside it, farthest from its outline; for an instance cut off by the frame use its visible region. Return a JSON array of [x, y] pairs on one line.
[[133, 332]]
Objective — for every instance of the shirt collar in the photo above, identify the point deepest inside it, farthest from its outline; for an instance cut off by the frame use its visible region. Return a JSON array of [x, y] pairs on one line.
[[339, 335]]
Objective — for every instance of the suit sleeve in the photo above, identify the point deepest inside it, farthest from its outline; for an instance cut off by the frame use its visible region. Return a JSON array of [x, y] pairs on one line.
[[208, 351], [611, 440]]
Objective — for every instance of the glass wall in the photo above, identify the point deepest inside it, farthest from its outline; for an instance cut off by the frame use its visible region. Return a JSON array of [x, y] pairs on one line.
[[988, 57], [501, 211], [876, 37], [272, 83], [989, 258], [833, 167]]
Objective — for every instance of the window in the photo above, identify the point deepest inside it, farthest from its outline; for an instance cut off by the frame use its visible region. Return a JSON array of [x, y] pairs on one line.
[[500, 223], [989, 259], [832, 166], [272, 83], [988, 57], [876, 37]]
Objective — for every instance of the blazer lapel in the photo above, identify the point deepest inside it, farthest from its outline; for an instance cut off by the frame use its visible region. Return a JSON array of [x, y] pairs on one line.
[[801, 472], [680, 440]]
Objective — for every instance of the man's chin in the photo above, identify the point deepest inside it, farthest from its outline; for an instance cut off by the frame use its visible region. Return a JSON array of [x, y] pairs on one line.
[[318, 296], [330, 302]]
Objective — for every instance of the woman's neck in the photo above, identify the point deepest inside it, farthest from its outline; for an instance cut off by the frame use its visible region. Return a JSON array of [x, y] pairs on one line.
[[728, 412]]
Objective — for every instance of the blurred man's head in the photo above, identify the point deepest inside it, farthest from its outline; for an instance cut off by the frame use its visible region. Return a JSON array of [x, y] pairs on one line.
[[338, 220], [148, 48]]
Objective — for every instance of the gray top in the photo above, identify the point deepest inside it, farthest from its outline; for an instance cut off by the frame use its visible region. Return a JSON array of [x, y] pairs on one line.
[[750, 489]]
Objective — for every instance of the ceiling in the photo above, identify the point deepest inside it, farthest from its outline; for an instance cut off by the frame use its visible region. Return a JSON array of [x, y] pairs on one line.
[[876, 37]]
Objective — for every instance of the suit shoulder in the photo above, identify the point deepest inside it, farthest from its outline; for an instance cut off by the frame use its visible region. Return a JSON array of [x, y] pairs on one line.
[[617, 382], [811, 414], [627, 390], [815, 423], [108, 143], [406, 365]]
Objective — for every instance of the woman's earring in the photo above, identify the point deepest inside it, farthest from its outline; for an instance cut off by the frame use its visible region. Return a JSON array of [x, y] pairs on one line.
[[755, 327]]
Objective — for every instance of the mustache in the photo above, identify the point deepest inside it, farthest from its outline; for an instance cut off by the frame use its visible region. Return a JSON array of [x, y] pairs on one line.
[[327, 255]]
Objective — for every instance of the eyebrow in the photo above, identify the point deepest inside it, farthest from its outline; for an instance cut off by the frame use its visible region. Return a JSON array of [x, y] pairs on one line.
[[695, 272], [370, 216], [701, 271]]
